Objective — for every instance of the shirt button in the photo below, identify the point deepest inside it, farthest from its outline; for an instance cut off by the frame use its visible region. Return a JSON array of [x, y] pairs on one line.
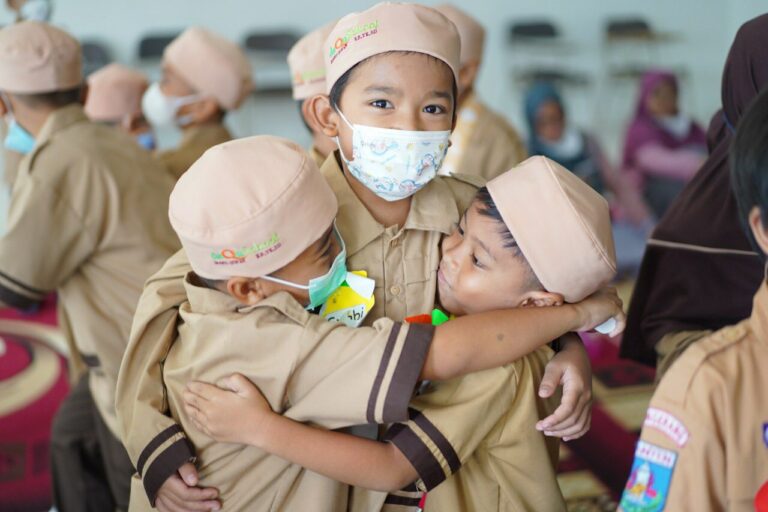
[[395, 290], [394, 242]]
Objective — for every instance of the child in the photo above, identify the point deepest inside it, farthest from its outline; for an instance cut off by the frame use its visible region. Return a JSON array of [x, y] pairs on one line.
[[255, 218], [308, 79], [84, 222], [398, 73], [704, 444], [483, 143], [484, 422], [204, 76], [114, 97]]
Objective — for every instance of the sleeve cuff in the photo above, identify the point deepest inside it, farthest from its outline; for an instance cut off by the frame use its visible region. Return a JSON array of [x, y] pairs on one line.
[[396, 390], [165, 465]]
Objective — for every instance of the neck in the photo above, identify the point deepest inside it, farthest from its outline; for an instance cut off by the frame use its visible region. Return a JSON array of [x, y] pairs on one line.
[[386, 213], [34, 120]]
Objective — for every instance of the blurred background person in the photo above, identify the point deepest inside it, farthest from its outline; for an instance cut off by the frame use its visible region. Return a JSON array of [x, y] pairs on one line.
[[664, 147]]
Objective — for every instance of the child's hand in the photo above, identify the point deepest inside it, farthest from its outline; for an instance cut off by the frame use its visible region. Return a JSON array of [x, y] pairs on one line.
[[598, 308], [233, 411], [571, 369], [180, 493]]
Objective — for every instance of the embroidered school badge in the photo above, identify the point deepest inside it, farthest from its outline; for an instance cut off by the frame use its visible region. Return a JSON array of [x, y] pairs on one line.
[[667, 424], [765, 434], [648, 485]]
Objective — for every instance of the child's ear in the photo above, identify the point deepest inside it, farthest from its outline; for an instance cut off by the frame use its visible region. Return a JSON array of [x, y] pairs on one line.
[[758, 229], [322, 114], [541, 299], [467, 75], [247, 290]]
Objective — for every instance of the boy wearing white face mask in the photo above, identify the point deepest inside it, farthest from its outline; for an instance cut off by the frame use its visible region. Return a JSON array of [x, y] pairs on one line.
[[204, 77], [392, 71]]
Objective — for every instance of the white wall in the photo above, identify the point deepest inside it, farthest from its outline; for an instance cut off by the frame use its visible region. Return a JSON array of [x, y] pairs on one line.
[[705, 29]]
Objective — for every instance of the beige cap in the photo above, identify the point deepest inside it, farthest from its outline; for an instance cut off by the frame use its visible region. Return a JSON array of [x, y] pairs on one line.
[[307, 63], [562, 226], [211, 65], [36, 57], [471, 33], [249, 207], [115, 92], [390, 27]]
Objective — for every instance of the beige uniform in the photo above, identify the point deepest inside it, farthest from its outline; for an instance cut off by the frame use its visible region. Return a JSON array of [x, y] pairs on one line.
[[195, 140], [11, 159], [309, 369], [403, 261], [483, 143], [87, 219], [316, 156], [473, 443], [704, 444]]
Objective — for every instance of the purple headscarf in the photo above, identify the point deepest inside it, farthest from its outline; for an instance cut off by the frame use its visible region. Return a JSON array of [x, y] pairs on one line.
[[644, 129]]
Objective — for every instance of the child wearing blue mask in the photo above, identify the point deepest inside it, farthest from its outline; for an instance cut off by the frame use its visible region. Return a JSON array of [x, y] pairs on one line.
[[391, 72]]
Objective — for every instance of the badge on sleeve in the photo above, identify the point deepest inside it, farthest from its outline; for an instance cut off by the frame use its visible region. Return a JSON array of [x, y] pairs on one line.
[[667, 424], [648, 485], [765, 434]]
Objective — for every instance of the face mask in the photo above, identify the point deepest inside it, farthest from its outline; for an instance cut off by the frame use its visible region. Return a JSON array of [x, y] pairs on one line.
[[394, 164], [146, 140], [571, 143], [160, 110], [17, 139], [320, 288], [36, 10], [679, 126]]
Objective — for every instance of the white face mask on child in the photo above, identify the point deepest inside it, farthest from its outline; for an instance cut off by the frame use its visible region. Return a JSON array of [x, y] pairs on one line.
[[394, 164], [160, 110], [678, 125]]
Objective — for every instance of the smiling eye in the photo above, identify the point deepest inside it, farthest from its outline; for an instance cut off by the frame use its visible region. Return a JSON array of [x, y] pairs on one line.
[[476, 262], [381, 104], [434, 109]]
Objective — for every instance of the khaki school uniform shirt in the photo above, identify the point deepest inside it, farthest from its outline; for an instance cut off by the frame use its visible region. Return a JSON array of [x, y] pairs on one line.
[[88, 218], [403, 261], [483, 143], [195, 141], [704, 444], [11, 159], [318, 158], [474, 444], [310, 370]]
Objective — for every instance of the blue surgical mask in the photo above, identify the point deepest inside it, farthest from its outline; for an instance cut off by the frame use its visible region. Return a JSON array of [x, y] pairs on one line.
[[320, 288], [146, 140], [18, 139]]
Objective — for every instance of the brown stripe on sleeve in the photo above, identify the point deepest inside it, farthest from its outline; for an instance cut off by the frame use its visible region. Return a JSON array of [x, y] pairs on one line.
[[154, 444], [17, 300], [31, 290], [407, 372], [405, 501], [370, 413], [417, 453], [165, 465], [437, 437]]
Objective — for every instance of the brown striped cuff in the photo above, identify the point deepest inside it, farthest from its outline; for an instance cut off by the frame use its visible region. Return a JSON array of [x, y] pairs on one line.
[[418, 453], [17, 295], [165, 465], [406, 373]]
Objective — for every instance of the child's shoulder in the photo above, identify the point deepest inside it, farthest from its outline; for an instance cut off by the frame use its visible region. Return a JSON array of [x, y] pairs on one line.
[[463, 187]]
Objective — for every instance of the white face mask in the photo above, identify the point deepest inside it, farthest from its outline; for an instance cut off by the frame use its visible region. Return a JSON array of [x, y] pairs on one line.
[[679, 126], [36, 10], [160, 110], [570, 144], [394, 164]]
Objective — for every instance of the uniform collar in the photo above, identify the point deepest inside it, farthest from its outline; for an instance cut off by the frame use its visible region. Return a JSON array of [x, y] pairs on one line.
[[206, 301], [209, 134], [759, 319], [59, 120], [433, 208]]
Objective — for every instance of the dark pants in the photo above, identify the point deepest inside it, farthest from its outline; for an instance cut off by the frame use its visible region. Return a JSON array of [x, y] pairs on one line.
[[90, 468]]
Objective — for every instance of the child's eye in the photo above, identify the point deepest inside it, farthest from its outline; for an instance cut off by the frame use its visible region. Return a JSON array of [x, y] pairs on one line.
[[381, 104], [460, 231], [434, 109], [476, 262]]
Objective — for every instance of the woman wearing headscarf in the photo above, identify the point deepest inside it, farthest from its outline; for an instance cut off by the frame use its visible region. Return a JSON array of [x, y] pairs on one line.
[[551, 135], [700, 271], [664, 147]]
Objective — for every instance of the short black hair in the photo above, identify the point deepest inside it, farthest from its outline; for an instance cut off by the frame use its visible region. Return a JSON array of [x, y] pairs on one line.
[[54, 99], [489, 209], [341, 83], [749, 164]]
